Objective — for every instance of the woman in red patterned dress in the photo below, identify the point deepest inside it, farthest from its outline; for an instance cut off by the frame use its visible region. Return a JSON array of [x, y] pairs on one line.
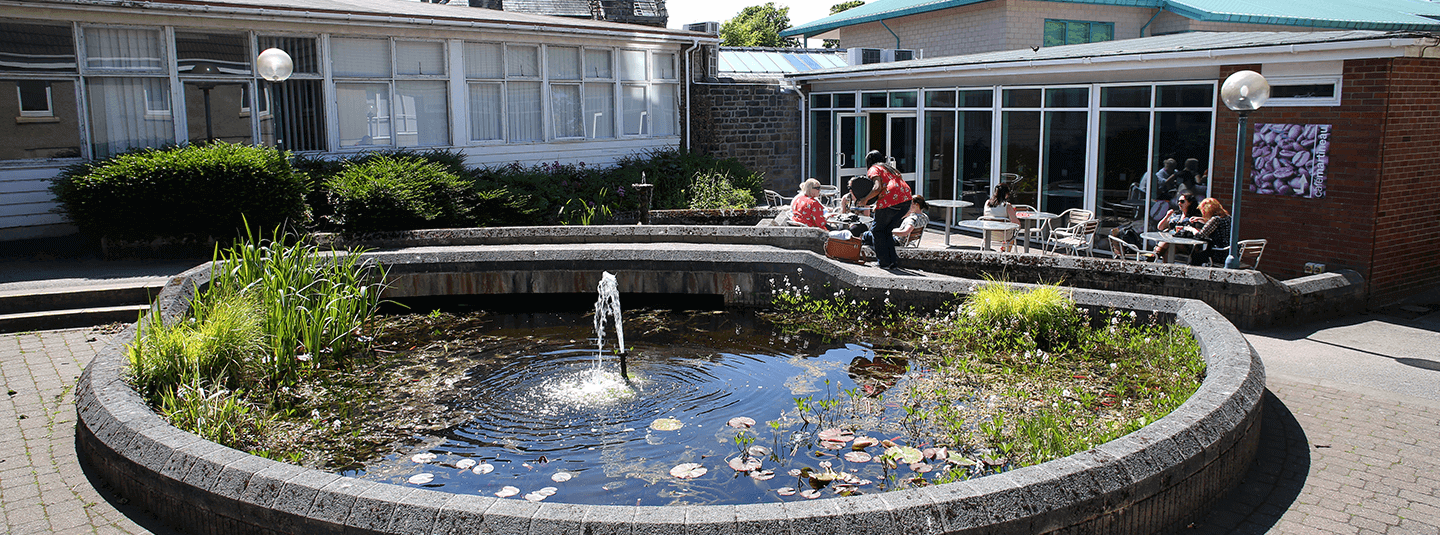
[[805, 211], [892, 201]]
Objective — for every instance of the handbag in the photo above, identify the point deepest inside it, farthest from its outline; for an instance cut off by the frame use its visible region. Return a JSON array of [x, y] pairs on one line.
[[845, 250]]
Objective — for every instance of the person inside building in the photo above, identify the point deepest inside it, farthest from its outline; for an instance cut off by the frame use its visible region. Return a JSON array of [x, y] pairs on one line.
[[892, 201], [805, 211], [1214, 228]]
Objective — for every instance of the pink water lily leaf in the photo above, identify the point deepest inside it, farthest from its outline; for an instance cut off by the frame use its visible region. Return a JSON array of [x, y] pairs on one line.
[[745, 463], [688, 470], [858, 457], [741, 422]]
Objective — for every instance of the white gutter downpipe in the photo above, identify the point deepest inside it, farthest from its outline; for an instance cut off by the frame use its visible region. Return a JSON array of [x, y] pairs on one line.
[[689, 89]]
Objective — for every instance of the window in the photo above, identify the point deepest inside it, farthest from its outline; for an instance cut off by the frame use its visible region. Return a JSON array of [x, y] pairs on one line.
[[598, 65], [599, 115], [524, 114], [402, 105], [292, 113], [485, 72], [35, 98], [633, 110], [664, 66], [1074, 32], [1304, 91], [133, 109], [30, 47], [566, 104], [227, 53], [632, 65]]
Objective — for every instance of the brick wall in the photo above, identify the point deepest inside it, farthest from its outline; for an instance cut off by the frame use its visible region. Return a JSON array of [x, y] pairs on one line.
[[1379, 211], [755, 123]]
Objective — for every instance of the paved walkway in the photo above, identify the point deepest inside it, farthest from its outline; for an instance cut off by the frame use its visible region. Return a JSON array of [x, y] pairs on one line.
[[1351, 434]]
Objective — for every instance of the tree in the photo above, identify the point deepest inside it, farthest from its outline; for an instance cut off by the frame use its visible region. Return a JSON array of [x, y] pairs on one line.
[[758, 26], [835, 43]]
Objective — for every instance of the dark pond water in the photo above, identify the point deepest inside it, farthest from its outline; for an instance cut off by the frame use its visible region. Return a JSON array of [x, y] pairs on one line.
[[548, 419]]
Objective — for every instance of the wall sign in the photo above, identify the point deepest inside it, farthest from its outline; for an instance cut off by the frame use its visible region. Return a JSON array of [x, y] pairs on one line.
[[1290, 159]]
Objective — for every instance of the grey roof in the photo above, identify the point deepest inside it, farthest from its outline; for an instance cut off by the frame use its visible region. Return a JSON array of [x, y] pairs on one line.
[[568, 8], [457, 11], [1181, 42]]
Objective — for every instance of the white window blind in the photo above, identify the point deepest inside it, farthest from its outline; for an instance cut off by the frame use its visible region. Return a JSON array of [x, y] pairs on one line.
[[663, 117], [565, 106], [598, 64], [123, 49], [522, 61], [357, 58], [632, 64], [364, 111], [485, 106], [563, 62], [633, 110], [419, 58], [599, 110], [664, 66], [118, 114], [524, 111], [422, 115], [484, 60]]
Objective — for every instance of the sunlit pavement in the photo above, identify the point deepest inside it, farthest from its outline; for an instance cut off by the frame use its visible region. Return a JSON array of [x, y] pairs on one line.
[[1351, 440]]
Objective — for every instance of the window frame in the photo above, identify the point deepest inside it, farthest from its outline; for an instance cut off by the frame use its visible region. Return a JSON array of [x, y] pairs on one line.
[[49, 110], [1066, 30], [1337, 80]]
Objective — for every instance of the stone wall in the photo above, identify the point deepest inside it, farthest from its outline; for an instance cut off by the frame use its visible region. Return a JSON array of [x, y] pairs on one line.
[[757, 123]]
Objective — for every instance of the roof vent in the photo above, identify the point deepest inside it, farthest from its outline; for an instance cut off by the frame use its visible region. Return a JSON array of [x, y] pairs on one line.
[[863, 56], [712, 28]]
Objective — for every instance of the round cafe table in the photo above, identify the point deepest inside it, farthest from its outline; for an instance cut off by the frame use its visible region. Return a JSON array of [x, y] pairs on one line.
[[1159, 236], [1030, 220], [987, 227], [951, 205]]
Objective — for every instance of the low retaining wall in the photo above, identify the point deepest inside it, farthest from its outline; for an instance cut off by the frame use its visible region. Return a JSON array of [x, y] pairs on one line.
[[1151, 480]]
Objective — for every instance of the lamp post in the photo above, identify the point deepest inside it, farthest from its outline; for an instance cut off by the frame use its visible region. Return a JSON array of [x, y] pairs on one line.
[[274, 65], [206, 68], [1244, 92]]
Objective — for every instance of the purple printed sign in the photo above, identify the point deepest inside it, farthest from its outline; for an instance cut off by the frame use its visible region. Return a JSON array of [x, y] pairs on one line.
[[1290, 159]]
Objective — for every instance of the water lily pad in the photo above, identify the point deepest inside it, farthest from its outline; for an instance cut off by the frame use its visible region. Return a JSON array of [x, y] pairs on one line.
[[741, 422], [561, 477], [795, 472], [745, 463], [904, 454], [844, 490], [785, 491], [762, 475], [507, 491], [465, 464], [483, 468], [535, 496], [666, 424], [858, 457], [864, 442], [810, 494], [836, 435], [832, 444], [423, 458], [962, 461], [758, 451], [688, 470], [942, 453], [548, 491], [421, 478], [994, 461], [921, 468]]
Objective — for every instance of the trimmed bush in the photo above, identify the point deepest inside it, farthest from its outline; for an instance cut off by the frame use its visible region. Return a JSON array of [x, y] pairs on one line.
[[714, 191], [386, 192], [197, 190]]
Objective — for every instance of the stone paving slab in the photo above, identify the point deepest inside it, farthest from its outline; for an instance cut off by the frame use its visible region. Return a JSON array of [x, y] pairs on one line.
[[1334, 458]]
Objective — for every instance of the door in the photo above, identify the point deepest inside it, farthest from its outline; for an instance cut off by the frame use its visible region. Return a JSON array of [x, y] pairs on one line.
[[850, 146]]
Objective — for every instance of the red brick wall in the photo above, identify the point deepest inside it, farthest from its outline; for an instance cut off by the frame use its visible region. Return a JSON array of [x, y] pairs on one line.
[[1382, 203]]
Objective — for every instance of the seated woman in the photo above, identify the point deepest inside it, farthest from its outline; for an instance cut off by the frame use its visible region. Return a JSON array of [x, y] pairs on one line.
[[999, 205], [805, 211], [859, 188], [914, 219], [1216, 232], [1186, 210]]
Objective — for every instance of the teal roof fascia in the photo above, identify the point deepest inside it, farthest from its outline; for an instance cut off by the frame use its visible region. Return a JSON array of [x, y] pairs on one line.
[[879, 10], [1418, 22]]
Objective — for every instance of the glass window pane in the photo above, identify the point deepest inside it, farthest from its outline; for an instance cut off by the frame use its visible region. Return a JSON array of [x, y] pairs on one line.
[[1021, 98], [974, 164], [1122, 166], [126, 113], [664, 66], [1067, 97], [977, 98], [422, 113], [632, 64], [633, 110], [939, 99], [822, 157], [874, 100], [364, 111], [296, 109], [1185, 96], [226, 116], [227, 52], [939, 156], [1125, 97], [565, 106], [1101, 32], [522, 61], [123, 49], [1063, 177], [29, 47], [56, 136], [304, 51], [599, 111], [484, 60], [525, 112], [845, 100], [360, 57], [820, 101], [902, 99], [1054, 33], [563, 62], [485, 106], [663, 103], [1077, 32], [1020, 155], [598, 64], [419, 57], [1326, 90]]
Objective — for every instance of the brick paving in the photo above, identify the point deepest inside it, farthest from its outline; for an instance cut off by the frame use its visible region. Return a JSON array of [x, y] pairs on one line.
[[1334, 459]]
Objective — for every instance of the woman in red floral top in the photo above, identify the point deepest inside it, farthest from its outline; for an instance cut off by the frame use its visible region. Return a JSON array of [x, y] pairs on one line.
[[804, 209], [892, 196]]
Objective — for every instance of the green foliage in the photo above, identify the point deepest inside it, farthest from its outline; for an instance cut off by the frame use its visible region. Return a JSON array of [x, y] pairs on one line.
[[551, 193], [671, 171], [713, 191], [218, 342], [386, 192], [197, 190], [837, 8], [758, 26], [1044, 317], [220, 415]]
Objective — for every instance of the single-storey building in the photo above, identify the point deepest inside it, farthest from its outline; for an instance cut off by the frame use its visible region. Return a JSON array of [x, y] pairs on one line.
[[1084, 126], [91, 78]]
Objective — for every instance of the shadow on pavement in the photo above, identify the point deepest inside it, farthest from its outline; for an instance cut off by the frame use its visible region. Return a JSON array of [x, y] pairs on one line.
[[139, 516], [1273, 483]]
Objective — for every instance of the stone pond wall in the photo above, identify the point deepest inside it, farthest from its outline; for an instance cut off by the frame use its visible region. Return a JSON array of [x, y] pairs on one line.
[[1154, 479]]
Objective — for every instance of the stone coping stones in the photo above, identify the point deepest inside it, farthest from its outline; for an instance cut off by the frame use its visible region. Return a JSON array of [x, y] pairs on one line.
[[1147, 481]]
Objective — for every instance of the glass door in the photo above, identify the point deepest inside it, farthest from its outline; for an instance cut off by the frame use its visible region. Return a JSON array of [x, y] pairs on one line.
[[901, 144], [850, 147]]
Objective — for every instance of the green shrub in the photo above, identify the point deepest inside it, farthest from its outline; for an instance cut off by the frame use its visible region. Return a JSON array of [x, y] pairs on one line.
[[671, 170], [1044, 317], [216, 344], [198, 190], [714, 191], [387, 192]]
